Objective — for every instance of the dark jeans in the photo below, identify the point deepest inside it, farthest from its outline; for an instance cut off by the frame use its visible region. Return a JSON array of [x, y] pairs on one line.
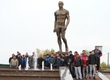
[[72, 70], [13, 66], [98, 63], [46, 64]]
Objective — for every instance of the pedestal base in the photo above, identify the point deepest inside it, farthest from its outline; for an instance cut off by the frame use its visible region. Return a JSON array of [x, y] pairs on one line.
[[61, 52]]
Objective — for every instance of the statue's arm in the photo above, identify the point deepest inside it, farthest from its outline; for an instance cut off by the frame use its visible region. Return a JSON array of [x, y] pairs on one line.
[[55, 22], [68, 19]]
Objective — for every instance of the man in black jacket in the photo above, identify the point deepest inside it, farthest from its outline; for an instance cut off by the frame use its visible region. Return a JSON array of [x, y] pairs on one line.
[[52, 60], [70, 57], [39, 61], [70, 60], [92, 63], [66, 60], [77, 64], [19, 59], [98, 54], [59, 62]]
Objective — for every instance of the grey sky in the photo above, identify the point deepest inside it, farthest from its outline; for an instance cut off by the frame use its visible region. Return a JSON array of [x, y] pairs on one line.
[[28, 24]]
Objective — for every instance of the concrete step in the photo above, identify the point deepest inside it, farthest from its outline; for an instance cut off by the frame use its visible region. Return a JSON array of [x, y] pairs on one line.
[[28, 77], [21, 78], [30, 72], [15, 74]]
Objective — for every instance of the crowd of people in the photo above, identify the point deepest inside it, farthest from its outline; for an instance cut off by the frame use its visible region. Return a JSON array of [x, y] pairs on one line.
[[80, 65], [55, 59]]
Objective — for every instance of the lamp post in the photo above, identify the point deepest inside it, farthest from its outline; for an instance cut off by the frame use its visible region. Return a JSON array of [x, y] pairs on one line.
[[108, 60]]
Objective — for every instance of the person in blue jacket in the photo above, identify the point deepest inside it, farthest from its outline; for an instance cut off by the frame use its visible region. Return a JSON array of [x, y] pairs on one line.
[[46, 61], [23, 64]]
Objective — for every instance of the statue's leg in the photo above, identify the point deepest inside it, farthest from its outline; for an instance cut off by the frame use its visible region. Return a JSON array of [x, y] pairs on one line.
[[59, 40], [64, 40]]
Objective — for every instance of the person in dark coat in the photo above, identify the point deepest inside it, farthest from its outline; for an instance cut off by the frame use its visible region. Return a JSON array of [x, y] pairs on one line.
[[31, 62], [19, 59], [98, 54], [59, 62], [54, 65], [39, 61], [92, 60], [62, 58], [77, 64], [70, 60], [66, 60], [52, 60]]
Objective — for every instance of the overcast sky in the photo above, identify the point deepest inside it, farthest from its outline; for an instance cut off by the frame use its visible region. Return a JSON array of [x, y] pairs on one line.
[[28, 24]]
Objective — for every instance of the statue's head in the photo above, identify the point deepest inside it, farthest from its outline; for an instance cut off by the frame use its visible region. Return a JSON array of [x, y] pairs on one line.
[[60, 4]]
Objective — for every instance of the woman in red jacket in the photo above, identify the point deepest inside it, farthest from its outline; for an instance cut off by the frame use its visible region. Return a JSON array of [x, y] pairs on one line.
[[85, 65]]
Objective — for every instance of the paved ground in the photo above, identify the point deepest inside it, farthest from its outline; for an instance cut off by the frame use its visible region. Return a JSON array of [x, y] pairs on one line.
[[65, 75], [107, 75]]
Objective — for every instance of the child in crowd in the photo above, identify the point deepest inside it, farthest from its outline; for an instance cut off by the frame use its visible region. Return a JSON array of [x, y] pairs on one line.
[[92, 63]]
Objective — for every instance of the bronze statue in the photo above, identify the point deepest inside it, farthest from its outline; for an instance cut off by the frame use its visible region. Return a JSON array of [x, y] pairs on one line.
[[59, 25]]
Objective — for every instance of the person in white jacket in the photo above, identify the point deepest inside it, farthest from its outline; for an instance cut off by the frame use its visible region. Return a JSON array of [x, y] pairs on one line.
[[14, 62]]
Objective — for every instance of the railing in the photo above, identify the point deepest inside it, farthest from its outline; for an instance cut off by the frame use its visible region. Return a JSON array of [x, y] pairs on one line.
[[4, 65]]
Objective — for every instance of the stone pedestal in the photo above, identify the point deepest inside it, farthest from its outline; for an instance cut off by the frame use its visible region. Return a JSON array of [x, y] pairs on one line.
[[61, 52]]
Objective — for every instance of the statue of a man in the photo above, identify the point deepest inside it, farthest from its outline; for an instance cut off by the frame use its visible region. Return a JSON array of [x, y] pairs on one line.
[[60, 25]]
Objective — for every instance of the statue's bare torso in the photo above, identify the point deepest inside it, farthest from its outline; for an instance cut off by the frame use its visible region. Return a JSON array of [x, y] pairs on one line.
[[61, 16]]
